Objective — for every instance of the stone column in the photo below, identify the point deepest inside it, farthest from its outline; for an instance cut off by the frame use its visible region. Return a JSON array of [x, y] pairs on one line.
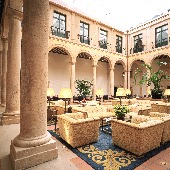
[[128, 80], [0, 73], [111, 81], [11, 114], [34, 144], [73, 78], [148, 88], [4, 69], [94, 82], [125, 79]]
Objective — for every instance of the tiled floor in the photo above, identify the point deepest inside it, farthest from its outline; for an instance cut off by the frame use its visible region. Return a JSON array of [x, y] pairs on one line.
[[67, 160]]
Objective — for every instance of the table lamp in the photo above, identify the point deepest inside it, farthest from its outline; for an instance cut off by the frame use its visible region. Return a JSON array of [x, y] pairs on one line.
[[50, 93], [167, 93], [121, 92], [65, 93], [100, 93]]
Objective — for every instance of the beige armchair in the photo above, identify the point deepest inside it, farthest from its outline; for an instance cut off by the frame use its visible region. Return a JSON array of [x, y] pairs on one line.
[[137, 138], [166, 119], [77, 130]]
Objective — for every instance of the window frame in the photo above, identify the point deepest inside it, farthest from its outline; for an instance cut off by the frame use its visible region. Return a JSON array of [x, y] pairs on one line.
[[103, 43], [136, 39], [57, 31], [82, 37], [162, 43], [119, 40]]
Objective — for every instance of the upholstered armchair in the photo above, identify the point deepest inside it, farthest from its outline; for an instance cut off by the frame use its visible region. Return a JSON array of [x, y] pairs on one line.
[[77, 130], [139, 137], [166, 119]]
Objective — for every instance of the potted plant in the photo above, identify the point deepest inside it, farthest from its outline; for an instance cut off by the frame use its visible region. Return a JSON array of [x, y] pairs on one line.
[[83, 87], [120, 111], [154, 77]]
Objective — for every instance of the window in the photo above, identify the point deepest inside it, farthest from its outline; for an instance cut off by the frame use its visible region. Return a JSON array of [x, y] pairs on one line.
[[138, 45], [84, 33], [59, 25], [161, 36], [103, 39], [118, 44]]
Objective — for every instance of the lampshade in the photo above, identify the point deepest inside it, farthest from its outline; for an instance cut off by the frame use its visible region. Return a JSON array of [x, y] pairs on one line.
[[50, 92], [99, 92], [149, 92], [65, 93], [128, 92], [167, 92], [121, 92]]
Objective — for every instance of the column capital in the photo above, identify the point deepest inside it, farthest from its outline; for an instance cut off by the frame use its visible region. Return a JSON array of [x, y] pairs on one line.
[[72, 62]]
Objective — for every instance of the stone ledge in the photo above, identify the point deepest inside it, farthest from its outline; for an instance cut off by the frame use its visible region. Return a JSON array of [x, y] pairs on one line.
[[28, 157], [7, 120]]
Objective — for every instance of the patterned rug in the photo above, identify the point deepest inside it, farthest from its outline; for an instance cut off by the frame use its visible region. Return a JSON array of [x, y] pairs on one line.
[[103, 155]]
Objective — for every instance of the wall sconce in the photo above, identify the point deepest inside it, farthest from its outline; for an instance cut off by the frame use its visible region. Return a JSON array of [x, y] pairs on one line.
[[121, 92], [123, 74], [167, 93], [65, 93], [50, 93]]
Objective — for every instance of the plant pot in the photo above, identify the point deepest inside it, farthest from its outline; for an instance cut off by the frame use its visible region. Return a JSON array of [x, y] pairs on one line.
[[120, 117], [156, 94]]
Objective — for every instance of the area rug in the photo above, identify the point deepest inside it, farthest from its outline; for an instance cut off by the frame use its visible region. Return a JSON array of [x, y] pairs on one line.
[[103, 155]]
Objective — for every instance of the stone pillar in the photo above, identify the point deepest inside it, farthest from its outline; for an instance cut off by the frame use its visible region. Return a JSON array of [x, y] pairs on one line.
[[0, 73], [148, 88], [4, 69], [128, 80], [11, 114], [94, 82], [125, 80], [111, 81], [73, 78], [34, 144]]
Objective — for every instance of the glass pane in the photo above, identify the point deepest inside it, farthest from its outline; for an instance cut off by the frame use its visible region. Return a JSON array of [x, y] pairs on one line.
[[56, 23], [86, 32], [164, 35], [81, 24], [62, 17], [86, 26], [56, 15], [158, 29], [140, 36], [164, 27], [81, 31]]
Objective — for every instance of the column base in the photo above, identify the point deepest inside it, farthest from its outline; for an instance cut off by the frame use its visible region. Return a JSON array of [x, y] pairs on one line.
[[7, 120], [28, 157], [2, 105]]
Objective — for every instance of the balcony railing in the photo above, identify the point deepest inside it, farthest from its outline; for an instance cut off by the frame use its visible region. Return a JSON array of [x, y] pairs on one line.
[[84, 39], [103, 44], [60, 32], [160, 44], [137, 50]]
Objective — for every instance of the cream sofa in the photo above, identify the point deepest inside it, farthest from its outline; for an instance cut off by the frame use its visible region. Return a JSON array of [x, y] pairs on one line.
[[101, 111], [77, 130], [138, 137]]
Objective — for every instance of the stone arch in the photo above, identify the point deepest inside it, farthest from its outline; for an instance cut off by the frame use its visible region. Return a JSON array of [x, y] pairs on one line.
[[119, 61], [85, 54], [105, 59], [60, 47], [134, 60], [159, 55]]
